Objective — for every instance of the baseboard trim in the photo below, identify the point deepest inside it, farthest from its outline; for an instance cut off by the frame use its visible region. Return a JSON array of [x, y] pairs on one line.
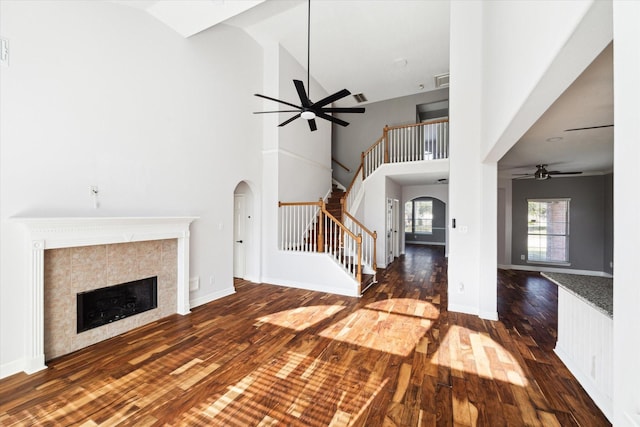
[[195, 302], [488, 315], [463, 309], [312, 287], [12, 368], [544, 269], [599, 398], [418, 242]]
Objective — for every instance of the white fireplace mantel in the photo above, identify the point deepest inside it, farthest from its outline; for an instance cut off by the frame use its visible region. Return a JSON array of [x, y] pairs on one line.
[[53, 233]]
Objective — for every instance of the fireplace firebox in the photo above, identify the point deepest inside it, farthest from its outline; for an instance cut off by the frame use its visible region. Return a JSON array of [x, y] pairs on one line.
[[106, 305]]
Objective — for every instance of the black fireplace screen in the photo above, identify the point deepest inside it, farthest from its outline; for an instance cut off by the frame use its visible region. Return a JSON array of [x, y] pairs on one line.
[[105, 305]]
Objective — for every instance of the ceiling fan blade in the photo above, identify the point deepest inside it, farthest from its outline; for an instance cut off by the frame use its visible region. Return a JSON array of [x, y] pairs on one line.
[[332, 119], [344, 110], [277, 111], [331, 98], [286, 122], [304, 99], [312, 124], [277, 100], [590, 127], [563, 173]]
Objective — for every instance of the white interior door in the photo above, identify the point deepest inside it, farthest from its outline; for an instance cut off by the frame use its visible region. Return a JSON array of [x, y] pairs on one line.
[[239, 236], [389, 232], [396, 227]]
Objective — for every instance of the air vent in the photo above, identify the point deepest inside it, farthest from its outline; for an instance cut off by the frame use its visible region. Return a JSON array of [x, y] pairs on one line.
[[442, 80], [359, 97]]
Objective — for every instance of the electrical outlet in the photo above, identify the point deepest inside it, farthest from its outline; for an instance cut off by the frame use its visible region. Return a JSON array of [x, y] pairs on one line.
[[211, 280], [522, 257], [461, 288], [4, 52], [194, 283]]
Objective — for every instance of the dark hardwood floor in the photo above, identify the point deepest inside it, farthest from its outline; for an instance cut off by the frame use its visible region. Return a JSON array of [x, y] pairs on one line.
[[270, 355]]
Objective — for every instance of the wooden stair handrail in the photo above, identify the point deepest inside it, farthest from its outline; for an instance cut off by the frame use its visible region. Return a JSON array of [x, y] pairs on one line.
[[357, 238], [336, 161], [344, 230], [375, 144], [280, 204], [353, 180], [373, 234], [431, 122]]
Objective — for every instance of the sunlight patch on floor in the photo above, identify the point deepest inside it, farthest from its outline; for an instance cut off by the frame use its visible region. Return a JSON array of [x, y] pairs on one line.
[[466, 351], [286, 390], [301, 318], [393, 326]]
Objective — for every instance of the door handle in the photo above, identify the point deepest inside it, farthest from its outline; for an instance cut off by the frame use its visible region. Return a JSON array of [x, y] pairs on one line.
[[238, 241]]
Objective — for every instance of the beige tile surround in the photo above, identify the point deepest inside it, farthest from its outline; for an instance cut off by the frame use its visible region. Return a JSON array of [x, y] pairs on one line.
[[68, 271]]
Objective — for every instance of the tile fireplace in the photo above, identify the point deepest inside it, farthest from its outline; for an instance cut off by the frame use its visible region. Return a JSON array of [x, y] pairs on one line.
[[87, 234]]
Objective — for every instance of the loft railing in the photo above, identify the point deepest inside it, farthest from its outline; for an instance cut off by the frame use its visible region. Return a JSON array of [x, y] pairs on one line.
[[309, 227], [421, 141]]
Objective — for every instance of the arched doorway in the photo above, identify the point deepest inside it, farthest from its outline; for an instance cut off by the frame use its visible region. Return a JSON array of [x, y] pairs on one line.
[[425, 221], [244, 242]]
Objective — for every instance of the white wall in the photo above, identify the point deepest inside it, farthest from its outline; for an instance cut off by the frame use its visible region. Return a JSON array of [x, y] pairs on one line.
[[304, 156], [557, 54], [102, 94], [626, 292], [465, 177], [296, 168], [509, 61]]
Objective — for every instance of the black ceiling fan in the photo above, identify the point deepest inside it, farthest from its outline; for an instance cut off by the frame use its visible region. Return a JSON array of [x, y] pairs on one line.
[[542, 173], [307, 109]]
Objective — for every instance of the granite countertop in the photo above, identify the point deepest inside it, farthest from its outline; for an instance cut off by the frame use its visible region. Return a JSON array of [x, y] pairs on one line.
[[595, 291]]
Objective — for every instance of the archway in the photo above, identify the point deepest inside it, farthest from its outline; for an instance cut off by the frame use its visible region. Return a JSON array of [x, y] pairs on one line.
[[425, 221], [245, 235]]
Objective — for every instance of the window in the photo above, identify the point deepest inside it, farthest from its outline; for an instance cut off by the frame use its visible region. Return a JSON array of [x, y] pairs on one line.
[[418, 216], [548, 230]]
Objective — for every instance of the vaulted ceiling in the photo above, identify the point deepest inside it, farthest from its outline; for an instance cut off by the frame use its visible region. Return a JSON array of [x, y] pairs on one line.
[[383, 48], [391, 48]]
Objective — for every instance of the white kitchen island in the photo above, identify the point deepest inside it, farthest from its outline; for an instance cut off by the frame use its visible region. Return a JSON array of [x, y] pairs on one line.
[[585, 333]]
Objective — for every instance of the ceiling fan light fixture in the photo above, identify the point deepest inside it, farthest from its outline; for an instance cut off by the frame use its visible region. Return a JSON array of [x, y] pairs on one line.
[[541, 173], [307, 109], [308, 115]]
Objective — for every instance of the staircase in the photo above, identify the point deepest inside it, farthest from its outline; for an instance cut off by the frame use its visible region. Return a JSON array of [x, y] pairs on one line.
[[334, 202], [331, 228], [334, 205]]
